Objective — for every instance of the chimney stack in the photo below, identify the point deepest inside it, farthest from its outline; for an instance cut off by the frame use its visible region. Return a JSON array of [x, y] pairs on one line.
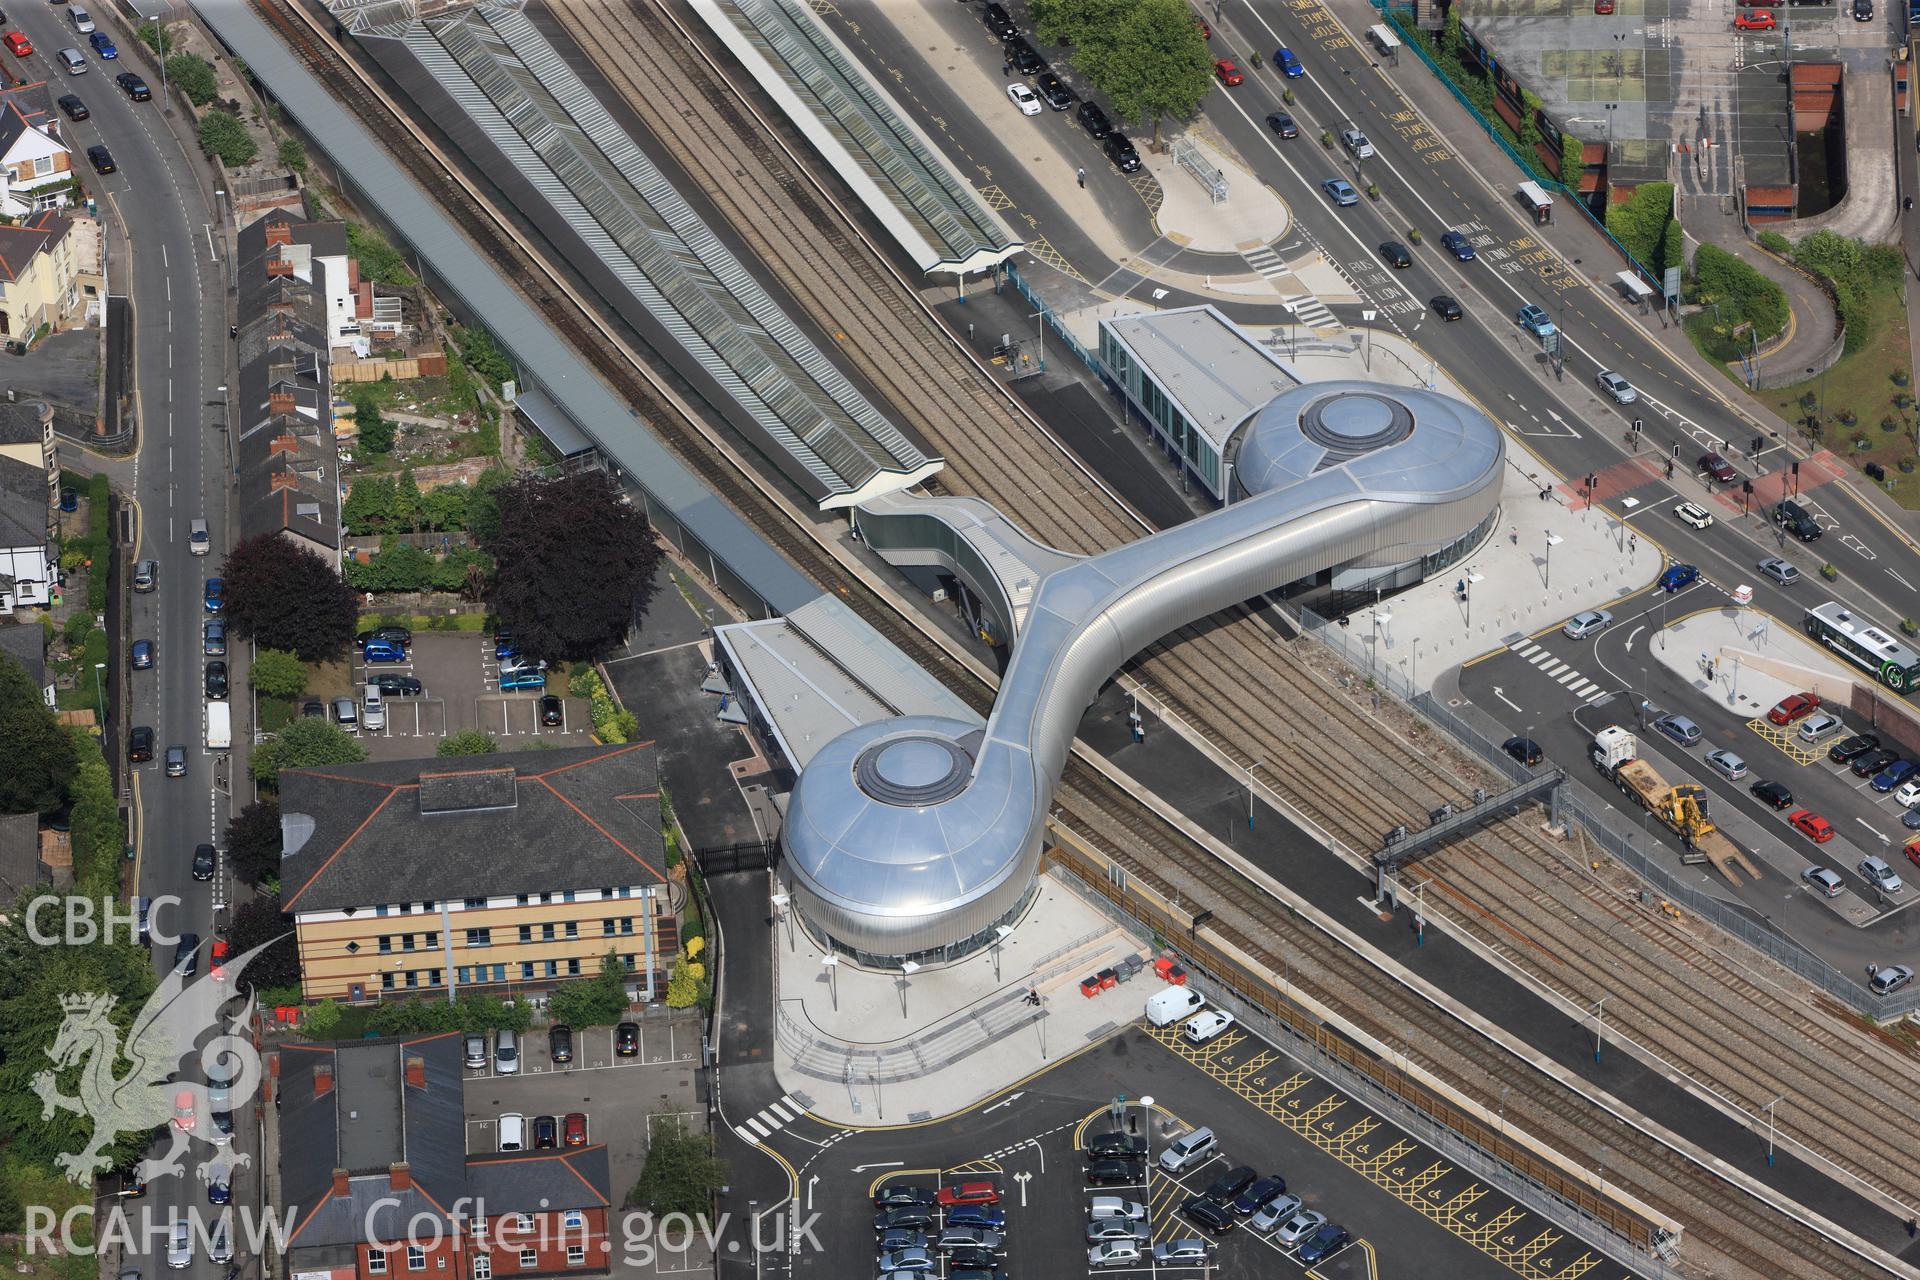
[[340, 1187], [400, 1177], [417, 1071], [323, 1080]]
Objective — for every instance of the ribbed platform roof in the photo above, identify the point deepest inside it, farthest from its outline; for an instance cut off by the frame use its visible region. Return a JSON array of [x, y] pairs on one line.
[[905, 181], [481, 292], [566, 160]]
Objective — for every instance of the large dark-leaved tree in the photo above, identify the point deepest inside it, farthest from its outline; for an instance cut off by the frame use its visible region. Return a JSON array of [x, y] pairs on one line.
[[38, 752], [286, 597], [258, 922], [575, 565], [253, 842]]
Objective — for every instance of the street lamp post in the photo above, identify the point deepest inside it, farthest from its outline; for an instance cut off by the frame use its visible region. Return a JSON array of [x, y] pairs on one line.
[[907, 969], [1473, 580], [1250, 768], [1770, 1130], [160, 38], [1001, 933], [100, 697], [783, 906], [1366, 358], [1553, 540], [832, 965], [1040, 337]]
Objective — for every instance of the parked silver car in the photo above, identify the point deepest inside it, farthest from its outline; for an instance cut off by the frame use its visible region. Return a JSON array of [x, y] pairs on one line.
[[1726, 764], [1589, 622]]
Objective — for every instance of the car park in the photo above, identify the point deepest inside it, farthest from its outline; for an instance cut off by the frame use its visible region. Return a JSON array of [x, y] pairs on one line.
[[1445, 305], [1847, 750], [1116, 1207], [1283, 124], [1811, 825], [203, 857], [1357, 144], [1615, 386], [1793, 707], [1289, 65], [1679, 728], [1341, 191], [177, 760], [1227, 73], [142, 655], [1457, 245], [1182, 1253], [1678, 577], [1053, 91], [1023, 98], [73, 107], [1878, 874], [1589, 622], [135, 87], [1094, 121], [1772, 794], [1323, 1244], [626, 1040], [1114, 1171], [1691, 513], [1823, 881], [1894, 775], [1274, 1213], [1884, 981], [216, 679], [101, 159], [1818, 727], [1727, 764], [916, 1217], [977, 1215], [1395, 254], [1120, 150], [1203, 1027], [1524, 750], [1779, 570], [1865, 766], [1535, 321], [1115, 1253], [1210, 1215]]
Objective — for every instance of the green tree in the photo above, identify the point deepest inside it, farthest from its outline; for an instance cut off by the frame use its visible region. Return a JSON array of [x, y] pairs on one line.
[[371, 427], [444, 507], [224, 136], [293, 155], [279, 674], [305, 743], [407, 501], [483, 504], [683, 989], [464, 570], [682, 1173], [253, 842], [283, 596], [154, 38], [599, 1001], [379, 261], [483, 355], [370, 505], [1153, 63], [194, 76], [1072, 21], [321, 1020], [467, 742], [39, 753]]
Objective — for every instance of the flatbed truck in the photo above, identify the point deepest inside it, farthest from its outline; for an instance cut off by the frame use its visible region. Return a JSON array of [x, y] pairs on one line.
[[1680, 807]]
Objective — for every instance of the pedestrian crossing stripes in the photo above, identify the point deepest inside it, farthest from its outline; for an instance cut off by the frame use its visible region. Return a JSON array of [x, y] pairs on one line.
[[1266, 262], [771, 1117], [1309, 310], [1559, 672]]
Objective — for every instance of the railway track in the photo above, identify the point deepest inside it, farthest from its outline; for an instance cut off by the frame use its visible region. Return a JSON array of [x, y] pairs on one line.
[[1722, 1218]]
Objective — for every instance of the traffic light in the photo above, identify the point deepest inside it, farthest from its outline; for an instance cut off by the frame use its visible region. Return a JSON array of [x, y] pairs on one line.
[[1759, 443]]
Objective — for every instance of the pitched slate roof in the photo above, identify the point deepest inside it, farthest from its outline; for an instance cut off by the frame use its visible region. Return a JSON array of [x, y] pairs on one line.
[[429, 830], [528, 1181], [23, 504], [18, 244], [24, 421], [26, 641]]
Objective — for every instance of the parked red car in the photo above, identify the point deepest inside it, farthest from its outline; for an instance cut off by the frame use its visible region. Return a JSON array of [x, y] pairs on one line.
[[1228, 73], [969, 1193], [1792, 708], [1811, 825], [576, 1129], [1755, 22]]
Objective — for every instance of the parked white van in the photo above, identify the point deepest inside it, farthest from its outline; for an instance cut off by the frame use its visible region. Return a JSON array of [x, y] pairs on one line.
[[1168, 1006]]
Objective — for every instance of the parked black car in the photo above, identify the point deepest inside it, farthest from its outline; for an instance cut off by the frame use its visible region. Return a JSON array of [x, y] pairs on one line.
[[1026, 59], [560, 1042], [1094, 121], [203, 862], [1283, 124], [903, 1195], [626, 1040], [1847, 750], [1872, 762], [1211, 1214], [1119, 149], [140, 744], [136, 87], [999, 21], [1053, 91], [217, 679], [546, 1133], [75, 109], [1230, 1184], [396, 686], [1112, 1172], [1114, 1143], [1773, 794]]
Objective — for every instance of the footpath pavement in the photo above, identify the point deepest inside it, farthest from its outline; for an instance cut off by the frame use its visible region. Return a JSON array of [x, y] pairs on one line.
[[1814, 325]]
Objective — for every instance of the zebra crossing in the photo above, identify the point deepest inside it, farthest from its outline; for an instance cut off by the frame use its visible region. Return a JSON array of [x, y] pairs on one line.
[[1309, 310], [1306, 308], [1554, 669], [771, 1117]]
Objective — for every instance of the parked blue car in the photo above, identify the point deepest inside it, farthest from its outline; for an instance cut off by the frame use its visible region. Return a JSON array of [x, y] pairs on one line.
[[1323, 1243], [216, 597], [1678, 576], [1289, 65], [1457, 245], [523, 680], [1894, 774], [102, 45], [986, 1217], [383, 651]]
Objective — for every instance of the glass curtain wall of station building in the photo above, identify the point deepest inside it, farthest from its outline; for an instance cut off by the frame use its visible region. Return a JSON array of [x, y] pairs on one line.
[[1177, 435]]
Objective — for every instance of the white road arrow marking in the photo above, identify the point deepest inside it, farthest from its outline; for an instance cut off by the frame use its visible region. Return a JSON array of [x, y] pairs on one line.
[[1501, 694]]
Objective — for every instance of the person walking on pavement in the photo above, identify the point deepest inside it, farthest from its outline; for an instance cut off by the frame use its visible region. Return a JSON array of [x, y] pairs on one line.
[[1081, 174], [1633, 543], [1514, 533]]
